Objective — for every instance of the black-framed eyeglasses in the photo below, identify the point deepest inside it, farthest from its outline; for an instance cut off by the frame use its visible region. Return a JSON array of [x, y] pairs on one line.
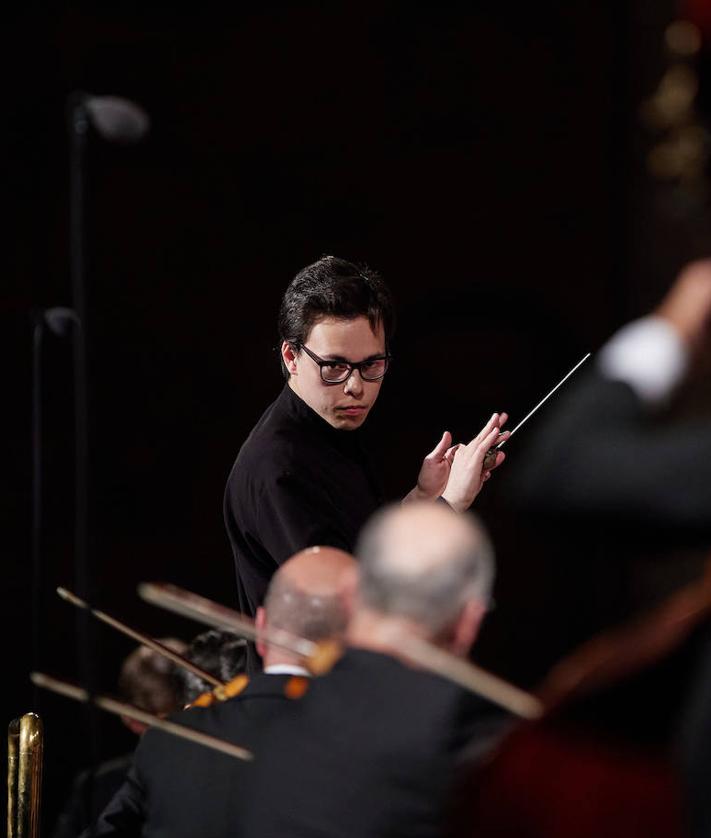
[[336, 372]]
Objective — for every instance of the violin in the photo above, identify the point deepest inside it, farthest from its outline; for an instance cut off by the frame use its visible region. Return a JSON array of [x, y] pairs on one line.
[[294, 688]]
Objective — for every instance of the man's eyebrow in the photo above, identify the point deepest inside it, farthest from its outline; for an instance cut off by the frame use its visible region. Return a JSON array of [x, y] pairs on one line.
[[342, 359]]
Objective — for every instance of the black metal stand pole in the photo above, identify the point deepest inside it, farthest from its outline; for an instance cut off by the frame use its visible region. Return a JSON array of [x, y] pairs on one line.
[[83, 577]]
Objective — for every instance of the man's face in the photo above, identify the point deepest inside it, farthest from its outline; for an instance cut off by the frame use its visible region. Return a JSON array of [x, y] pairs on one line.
[[346, 405]]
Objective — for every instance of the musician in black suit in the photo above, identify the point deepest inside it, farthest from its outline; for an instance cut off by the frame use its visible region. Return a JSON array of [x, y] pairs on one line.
[[370, 750], [614, 475], [180, 789], [611, 459], [148, 681]]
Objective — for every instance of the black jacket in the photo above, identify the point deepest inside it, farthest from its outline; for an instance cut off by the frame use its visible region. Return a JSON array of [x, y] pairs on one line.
[[369, 751], [601, 454], [620, 496], [297, 482], [91, 792], [178, 789]]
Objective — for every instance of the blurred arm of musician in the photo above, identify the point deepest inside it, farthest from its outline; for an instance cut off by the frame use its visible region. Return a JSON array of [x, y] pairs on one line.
[[608, 452], [603, 451], [148, 681], [180, 789]]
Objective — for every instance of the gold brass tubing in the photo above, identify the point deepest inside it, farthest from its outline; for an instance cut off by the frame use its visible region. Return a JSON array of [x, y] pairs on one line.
[[121, 708], [13, 742], [24, 778]]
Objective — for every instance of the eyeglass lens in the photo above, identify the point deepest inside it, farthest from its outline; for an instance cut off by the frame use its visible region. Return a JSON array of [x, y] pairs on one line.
[[336, 372]]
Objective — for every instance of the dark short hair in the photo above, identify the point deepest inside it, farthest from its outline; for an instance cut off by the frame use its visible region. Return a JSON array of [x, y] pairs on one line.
[[333, 287], [221, 653]]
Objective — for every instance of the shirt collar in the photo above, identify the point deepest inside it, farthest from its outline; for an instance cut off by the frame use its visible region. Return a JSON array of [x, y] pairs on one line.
[[286, 669], [348, 441]]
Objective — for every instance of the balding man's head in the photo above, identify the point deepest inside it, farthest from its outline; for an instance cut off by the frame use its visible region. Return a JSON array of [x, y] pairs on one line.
[[424, 562], [310, 595]]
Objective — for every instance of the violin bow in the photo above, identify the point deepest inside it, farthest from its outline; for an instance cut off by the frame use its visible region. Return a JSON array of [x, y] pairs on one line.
[[141, 638], [318, 657], [470, 676], [121, 708]]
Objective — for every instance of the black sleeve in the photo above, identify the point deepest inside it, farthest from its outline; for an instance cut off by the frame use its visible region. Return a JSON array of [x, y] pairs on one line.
[[600, 451], [295, 512], [75, 815], [125, 815]]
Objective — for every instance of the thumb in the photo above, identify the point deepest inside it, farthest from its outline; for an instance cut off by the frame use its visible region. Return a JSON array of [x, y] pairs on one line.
[[438, 452]]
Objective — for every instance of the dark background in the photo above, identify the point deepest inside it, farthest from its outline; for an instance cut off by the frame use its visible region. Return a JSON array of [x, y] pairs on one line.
[[486, 158]]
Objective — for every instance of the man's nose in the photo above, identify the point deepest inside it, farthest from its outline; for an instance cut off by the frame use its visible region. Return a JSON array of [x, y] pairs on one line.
[[354, 384]]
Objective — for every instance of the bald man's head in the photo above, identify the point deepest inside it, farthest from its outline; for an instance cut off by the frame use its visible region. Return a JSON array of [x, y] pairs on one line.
[[424, 562], [310, 594]]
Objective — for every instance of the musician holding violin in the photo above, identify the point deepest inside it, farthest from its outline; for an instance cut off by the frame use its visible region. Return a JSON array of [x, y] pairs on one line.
[[182, 789], [617, 463], [148, 681], [371, 749]]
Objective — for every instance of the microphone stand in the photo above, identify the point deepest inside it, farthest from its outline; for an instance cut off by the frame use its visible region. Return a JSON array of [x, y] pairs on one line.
[[78, 120], [59, 321], [79, 125], [36, 588], [117, 120]]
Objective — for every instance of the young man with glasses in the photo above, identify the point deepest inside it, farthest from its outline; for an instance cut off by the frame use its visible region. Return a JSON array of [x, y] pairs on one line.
[[302, 477]]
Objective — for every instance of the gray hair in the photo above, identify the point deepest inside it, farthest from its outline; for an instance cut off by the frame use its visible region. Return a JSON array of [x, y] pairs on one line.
[[315, 617], [446, 572]]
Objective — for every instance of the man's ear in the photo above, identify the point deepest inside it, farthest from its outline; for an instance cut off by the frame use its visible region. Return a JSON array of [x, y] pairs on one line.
[[347, 594], [467, 627], [134, 726], [288, 355], [260, 622], [349, 589]]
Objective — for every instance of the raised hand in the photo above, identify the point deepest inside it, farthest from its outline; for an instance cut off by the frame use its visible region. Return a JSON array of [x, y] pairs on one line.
[[434, 472], [687, 305], [467, 474]]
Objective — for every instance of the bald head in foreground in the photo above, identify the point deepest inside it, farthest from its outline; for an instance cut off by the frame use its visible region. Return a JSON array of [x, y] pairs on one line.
[[181, 789], [424, 570], [371, 749], [310, 596]]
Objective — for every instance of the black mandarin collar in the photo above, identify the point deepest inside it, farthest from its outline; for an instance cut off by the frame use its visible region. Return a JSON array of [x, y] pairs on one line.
[[350, 442]]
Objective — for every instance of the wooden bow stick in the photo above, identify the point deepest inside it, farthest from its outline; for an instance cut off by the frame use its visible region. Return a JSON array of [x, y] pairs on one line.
[[143, 639], [318, 657], [120, 708]]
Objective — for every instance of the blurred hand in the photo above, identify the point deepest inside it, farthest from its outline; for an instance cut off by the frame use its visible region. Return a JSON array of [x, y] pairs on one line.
[[687, 305], [467, 474]]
